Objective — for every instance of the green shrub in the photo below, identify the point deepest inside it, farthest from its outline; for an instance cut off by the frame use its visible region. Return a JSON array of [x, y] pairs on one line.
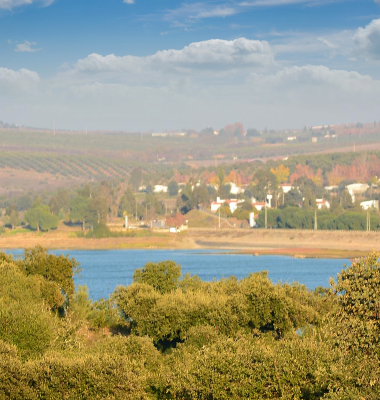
[[30, 327], [163, 276]]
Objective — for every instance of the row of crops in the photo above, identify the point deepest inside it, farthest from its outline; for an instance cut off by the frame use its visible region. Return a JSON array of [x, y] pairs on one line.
[[65, 165]]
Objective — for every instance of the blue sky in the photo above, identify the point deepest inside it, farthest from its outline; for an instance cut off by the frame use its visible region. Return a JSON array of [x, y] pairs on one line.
[[171, 64]]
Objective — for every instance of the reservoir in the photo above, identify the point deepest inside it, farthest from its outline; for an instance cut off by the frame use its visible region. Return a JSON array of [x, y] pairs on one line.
[[103, 270]]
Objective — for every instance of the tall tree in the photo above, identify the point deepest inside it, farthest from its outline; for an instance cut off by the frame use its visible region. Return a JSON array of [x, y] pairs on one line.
[[79, 210], [41, 218], [281, 173]]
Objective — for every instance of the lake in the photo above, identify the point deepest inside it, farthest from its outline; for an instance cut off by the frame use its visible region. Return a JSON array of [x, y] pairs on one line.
[[103, 270]]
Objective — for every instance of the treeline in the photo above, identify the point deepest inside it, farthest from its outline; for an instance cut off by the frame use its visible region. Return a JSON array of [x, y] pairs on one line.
[[298, 218], [169, 336]]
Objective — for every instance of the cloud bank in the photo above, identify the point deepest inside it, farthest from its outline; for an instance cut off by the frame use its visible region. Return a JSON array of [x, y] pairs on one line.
[[211, 54], [12, 82], [367, 40], [207, 83]]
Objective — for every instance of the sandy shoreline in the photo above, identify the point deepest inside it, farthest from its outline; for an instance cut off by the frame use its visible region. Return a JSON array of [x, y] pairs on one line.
[[295, 243]]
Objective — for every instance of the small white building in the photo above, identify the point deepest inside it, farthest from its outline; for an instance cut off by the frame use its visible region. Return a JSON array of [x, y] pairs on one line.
[[322, 204], [356, 188], [252, 222], [331, 188], [286, 187], [160, 189], [233, 204], [370, 204], [236, 189], [292, 138], [259, 205]]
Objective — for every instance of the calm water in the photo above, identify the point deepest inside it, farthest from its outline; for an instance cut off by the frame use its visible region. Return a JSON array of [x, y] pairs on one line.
[[102, 270]]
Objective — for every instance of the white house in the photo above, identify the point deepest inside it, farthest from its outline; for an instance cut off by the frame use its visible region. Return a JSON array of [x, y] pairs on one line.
[[286, 187], [366, 205], [259, 205], [322, 204], [357, 188], [160, 189], [233, 204], [235, 189]]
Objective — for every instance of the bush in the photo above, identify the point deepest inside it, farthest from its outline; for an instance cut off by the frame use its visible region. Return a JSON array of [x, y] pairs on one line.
[[163, 276], [58, 269], [100, 231]]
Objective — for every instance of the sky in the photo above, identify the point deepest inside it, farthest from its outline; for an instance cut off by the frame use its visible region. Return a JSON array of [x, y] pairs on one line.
[[140, 65]]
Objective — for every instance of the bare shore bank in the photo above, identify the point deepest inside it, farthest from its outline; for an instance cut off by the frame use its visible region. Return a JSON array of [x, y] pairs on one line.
[[298, 243]]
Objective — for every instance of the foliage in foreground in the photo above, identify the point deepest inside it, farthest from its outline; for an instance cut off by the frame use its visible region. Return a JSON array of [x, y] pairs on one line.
[[173, 337]]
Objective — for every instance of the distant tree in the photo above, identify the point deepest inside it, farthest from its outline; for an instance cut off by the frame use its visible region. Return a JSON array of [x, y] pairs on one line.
[[346, 200], [309, 200], [234, 130], [247, 206], [207, 132], [265, 182], [305, 171], [149, 189], [225, 210], [60, 201], [100, 204], [253, 133], [293, 198], [200, 195], [24, 203], [127, 204], [173, 188], [281, 173], [54, 205], [79, 210], [135, 178], [41, 218], [12, 213], [225, 191]]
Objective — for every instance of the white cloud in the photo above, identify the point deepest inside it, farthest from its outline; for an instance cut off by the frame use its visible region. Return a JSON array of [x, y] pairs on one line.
[[367, 40], [377, 1], [327, 43], [10, 4], [195, 11], [13, 82], [129, 1], [27, 47], [216, 54], [318, 79], [191, 13], [272, 3]]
